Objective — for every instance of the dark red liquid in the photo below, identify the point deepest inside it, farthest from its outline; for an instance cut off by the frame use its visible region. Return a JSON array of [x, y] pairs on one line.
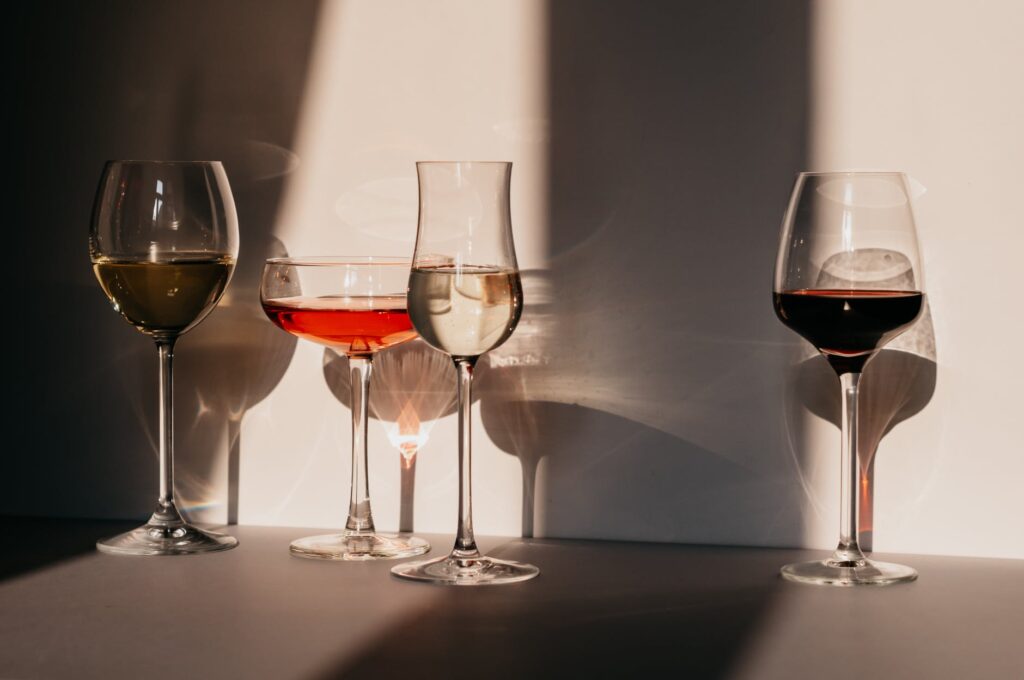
[[362, 330], [848, 326]]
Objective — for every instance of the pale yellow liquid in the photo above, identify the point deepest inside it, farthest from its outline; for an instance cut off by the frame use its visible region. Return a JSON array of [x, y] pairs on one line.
[[465, 311], [164, 298]]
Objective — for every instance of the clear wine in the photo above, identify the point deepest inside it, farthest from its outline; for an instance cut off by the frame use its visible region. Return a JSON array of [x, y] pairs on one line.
[[354, 325], [465, 311], [164, 298], [848, 326]]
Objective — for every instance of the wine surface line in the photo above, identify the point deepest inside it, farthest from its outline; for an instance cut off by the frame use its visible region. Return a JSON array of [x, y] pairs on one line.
[[164, 298], [465, 311], [351, 324], [848, 326]]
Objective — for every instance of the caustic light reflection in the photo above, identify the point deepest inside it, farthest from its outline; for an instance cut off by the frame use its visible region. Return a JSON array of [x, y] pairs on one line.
[[405, 434], [410, 389]]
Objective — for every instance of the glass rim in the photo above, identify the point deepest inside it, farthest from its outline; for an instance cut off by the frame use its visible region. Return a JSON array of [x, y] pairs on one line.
[[133, 161], [340, 261], [848, 173], [508, 163]]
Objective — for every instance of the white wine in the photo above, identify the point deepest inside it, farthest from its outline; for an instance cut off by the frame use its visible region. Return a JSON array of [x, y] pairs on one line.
[[164, 298], [465, 311]]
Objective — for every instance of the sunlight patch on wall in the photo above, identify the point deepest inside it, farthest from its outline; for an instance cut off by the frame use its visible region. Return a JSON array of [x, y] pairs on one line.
[[391, 84]]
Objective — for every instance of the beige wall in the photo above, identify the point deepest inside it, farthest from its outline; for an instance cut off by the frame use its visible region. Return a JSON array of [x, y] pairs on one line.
[[649, 393], [393, 83], [928, 88], [934, 89]]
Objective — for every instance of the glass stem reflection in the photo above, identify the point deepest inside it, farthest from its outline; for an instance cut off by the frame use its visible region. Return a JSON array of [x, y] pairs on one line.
[[465, 544], [848, 553], [166, 513], [360, 519]]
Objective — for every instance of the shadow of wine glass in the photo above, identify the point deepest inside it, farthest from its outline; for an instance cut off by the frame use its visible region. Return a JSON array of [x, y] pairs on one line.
[[232, 365], [411, 387], [517, 419], [529, 430], [897, 384]]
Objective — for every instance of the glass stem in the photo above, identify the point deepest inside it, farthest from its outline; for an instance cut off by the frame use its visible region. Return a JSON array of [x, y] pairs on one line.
[[848, 553], [465, 545], [166, 514], [360, 519]]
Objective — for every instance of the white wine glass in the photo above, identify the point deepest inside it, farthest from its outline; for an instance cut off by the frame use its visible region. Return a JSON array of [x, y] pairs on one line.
[[848, 278], [163, 244], [465, 299]]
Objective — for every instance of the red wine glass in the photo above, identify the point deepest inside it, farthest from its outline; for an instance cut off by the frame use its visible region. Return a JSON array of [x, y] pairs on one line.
[[848, 279], [355, 305]]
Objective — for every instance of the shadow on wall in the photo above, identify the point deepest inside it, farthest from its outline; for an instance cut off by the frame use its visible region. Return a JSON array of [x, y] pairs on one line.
[[411, 388], [99, 82], [897, 384], [232, 365], [657, 411]]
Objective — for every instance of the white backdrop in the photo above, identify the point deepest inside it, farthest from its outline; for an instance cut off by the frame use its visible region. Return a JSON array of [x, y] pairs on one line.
[[931, 89], [918, 86], [391, 84], [649, 392]]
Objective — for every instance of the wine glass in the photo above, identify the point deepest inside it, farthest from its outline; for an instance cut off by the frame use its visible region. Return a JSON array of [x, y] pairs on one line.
[[163, 244], [848, 278], [465, 299], [355, 305]]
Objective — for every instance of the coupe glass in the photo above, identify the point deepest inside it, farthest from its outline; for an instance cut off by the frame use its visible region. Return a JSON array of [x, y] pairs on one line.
[[848, 279], [355, 305], [163, 244], [465, 299]]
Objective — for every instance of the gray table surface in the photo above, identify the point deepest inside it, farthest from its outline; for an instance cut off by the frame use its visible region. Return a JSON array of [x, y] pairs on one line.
[[599, 609]]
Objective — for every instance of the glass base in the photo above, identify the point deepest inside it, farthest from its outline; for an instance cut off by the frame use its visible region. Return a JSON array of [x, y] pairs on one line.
[[154, 539], [479, 571], [359, 546], [848, 573]]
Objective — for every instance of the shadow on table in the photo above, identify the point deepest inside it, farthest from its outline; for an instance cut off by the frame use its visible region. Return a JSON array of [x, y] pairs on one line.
[[31, 543], [596, 610]]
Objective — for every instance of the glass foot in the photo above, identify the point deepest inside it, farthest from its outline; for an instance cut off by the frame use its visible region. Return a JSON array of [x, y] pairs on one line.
[[153, 539], [480, 571], [848, 573], [356, 546]]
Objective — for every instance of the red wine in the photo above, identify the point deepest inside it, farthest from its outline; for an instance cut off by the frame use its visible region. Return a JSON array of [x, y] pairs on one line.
[[848, 326], [356, 326]]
